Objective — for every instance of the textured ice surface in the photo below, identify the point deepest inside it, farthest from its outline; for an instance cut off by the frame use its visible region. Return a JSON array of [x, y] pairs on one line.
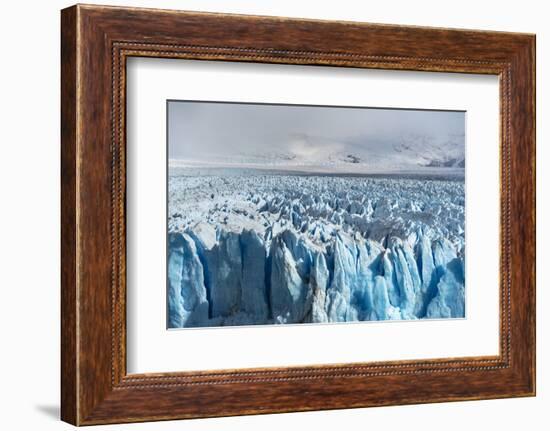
[[249, 249]]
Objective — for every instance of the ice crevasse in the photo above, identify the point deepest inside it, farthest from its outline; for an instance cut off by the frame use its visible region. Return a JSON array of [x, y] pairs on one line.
[[219, 277]]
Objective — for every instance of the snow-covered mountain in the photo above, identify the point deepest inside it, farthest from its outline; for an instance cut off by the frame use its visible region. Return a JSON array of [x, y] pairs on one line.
[[432, 152], [408, 152]]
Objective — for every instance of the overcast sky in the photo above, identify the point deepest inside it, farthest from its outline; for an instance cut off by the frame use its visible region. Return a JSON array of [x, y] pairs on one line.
[[199, 129]]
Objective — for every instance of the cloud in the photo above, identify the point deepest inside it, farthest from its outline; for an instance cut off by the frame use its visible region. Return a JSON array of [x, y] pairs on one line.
[[198, 130]]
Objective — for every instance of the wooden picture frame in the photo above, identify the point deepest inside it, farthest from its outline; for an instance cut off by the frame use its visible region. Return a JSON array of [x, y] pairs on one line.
[[95, 43]]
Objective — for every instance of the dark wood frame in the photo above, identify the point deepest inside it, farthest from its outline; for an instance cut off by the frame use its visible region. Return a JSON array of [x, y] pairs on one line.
[[95, 43]]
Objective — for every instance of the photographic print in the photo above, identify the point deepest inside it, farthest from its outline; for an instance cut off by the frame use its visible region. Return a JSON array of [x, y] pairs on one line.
[[290, 214]]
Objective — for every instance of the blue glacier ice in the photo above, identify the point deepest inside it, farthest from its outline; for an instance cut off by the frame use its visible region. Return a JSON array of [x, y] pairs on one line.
[[247, 250], [188, 305]]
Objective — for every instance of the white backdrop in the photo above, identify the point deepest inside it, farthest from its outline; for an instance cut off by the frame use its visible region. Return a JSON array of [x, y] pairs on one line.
[[29, 216]]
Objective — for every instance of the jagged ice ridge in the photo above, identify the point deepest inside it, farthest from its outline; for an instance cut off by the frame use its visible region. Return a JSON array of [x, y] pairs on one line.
[[259, 249]]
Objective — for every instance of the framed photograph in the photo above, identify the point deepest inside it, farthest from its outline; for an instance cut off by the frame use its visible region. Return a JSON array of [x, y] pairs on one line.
[[264, 214]]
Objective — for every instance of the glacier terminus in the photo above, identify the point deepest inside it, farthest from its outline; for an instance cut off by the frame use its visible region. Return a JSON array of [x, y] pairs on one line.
[[253, 247]]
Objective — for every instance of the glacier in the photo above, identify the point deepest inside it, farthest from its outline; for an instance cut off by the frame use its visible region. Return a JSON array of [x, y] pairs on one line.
[[250, 248]]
